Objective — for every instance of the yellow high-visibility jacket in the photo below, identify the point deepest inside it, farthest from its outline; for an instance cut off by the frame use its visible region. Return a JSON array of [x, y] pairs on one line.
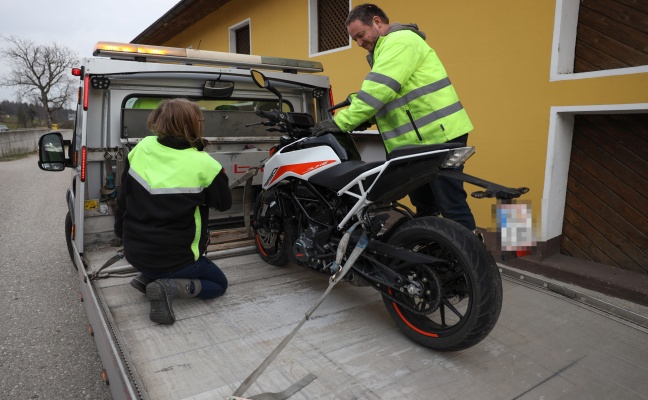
[[162, 211], [407, 83]]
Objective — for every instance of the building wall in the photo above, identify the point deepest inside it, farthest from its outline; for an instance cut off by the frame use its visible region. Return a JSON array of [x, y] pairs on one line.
[[503, 59]]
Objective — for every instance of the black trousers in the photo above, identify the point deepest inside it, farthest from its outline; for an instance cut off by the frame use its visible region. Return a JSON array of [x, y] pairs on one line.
[[445, 196]]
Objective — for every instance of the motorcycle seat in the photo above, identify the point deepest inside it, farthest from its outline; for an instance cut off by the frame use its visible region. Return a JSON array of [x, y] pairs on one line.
[[338, 176], [422, 148]]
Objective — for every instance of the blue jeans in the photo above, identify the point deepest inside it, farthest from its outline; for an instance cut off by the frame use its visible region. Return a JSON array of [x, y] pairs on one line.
[[212, 280], [445, 196]]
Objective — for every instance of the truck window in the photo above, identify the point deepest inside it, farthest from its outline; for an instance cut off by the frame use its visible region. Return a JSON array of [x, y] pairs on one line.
[[150, 103], [223, 118]]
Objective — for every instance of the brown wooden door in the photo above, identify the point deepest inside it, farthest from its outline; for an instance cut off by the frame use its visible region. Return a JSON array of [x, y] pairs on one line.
[[611, 34], [606, 209]]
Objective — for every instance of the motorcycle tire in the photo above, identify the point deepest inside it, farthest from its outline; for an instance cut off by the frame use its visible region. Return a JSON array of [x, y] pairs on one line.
[[464, 296], [270, 241]]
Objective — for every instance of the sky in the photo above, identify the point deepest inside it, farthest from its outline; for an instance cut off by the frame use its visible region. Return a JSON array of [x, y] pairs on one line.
[[77, 25]]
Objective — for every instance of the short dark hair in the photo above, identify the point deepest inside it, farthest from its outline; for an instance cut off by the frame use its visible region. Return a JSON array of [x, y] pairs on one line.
[[365, 13]]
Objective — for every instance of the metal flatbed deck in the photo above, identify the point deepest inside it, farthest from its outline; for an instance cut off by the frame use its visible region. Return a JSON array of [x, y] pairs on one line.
[[544, 345]]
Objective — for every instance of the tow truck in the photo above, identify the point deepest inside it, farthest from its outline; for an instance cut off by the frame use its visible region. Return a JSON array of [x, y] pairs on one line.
[[349, 349]]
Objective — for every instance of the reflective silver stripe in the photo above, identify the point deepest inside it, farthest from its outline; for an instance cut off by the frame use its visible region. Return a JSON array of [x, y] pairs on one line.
[[369, 99], [385, 80], [424, 120], [415, 94], [148, 188]]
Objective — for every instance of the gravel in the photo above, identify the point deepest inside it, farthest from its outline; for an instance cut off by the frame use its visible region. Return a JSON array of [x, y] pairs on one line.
[[45, 349]]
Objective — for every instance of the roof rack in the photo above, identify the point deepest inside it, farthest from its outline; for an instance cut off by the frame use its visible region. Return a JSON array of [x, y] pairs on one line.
[[140, 52]]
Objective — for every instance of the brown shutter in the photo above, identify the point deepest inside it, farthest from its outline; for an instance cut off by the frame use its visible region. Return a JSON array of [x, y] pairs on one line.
[[243, 40], [332, 32], [611, 34]]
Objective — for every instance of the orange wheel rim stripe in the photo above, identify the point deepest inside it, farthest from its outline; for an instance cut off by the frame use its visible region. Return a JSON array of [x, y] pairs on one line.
[[260, 246], [409, 323]]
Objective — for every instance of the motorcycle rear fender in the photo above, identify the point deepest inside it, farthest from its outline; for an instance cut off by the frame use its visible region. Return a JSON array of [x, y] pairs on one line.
[[395, 226]]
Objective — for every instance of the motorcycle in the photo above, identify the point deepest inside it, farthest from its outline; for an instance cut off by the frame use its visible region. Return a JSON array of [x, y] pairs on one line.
[[319, 201]]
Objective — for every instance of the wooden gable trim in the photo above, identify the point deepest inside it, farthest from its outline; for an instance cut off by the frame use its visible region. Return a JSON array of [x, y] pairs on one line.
[[183, 15]]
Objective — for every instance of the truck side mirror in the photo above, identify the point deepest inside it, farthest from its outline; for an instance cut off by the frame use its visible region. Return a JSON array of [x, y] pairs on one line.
[[51, 156]]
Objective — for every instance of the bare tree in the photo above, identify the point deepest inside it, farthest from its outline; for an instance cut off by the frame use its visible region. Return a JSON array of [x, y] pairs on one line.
[[42, 71]]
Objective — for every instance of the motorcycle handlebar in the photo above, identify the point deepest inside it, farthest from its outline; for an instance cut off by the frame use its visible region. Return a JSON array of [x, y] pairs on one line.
[[272, 115], [291, 123]]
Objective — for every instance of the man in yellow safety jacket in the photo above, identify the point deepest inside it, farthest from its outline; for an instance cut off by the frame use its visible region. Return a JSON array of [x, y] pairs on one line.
[[410, 96]]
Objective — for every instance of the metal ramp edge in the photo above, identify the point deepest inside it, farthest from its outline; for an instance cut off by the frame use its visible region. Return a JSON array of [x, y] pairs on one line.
[[580, 297]]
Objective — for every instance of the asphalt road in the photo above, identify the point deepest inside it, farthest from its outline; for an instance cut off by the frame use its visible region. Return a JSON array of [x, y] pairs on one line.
[[45, 349]]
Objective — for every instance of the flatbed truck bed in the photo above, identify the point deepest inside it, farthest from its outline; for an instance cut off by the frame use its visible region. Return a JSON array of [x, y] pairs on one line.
[[543, 346]]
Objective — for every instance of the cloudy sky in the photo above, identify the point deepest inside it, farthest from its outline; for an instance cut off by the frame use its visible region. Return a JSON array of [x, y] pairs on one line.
[[78, 25]]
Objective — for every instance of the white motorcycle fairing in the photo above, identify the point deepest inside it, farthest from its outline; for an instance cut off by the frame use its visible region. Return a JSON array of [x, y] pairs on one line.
[[301, 164]]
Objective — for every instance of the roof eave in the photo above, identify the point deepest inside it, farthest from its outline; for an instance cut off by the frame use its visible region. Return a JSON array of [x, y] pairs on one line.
[[183, 15]]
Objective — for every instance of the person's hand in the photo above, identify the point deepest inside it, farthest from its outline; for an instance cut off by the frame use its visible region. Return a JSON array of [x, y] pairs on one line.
[[324, 127]]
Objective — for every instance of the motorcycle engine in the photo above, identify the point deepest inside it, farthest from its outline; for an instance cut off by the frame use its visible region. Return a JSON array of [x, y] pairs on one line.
[[304, 248]]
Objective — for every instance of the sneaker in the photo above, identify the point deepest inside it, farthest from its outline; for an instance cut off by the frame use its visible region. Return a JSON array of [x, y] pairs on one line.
[[140, 282], [161, 294]]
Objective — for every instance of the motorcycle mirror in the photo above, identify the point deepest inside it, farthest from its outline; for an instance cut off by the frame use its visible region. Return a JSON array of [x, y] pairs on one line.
[[260, 79]]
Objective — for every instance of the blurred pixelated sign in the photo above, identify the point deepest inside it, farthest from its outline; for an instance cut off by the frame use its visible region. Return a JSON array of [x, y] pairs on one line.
[[515, 225]]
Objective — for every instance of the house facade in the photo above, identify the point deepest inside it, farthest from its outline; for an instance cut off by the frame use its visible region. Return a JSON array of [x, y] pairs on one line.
[[557, 91]]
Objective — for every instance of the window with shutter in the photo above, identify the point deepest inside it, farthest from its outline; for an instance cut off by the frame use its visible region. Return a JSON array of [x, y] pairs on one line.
[[611, 34], [332, 32], [595, 38], [243, 40], [240, 38], [328, 31]]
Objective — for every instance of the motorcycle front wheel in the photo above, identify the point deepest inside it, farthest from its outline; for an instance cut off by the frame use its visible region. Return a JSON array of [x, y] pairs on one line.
[[269, 234], [456, 305]]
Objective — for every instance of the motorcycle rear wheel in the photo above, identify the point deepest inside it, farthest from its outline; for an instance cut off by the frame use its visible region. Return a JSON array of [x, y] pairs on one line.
[[469, 287], [270, 240]]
